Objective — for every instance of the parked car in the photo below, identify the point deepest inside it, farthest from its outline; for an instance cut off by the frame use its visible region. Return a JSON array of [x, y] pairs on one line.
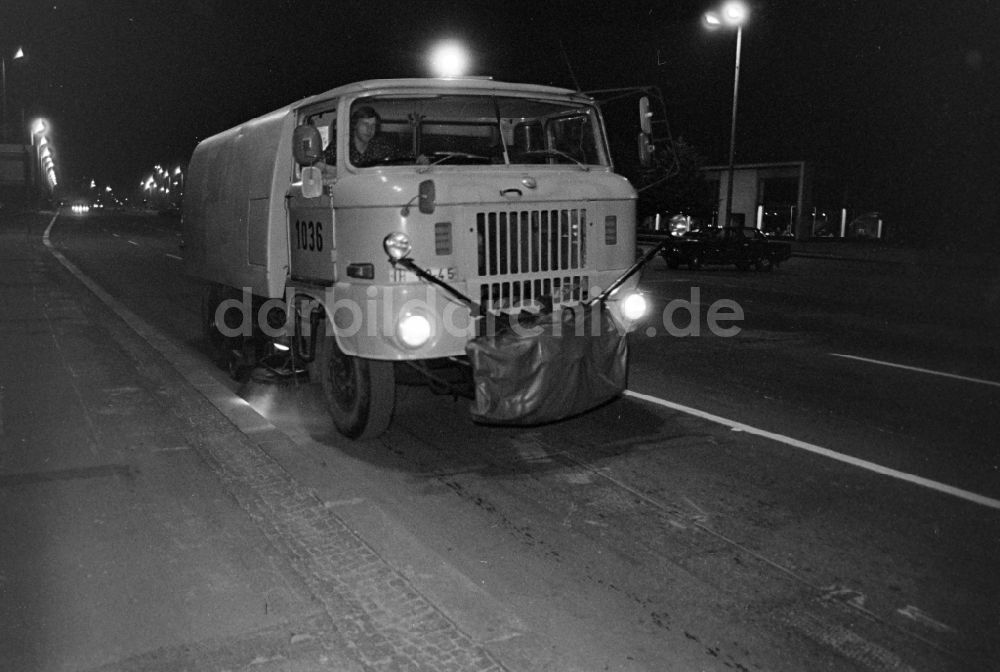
[[745, 247]]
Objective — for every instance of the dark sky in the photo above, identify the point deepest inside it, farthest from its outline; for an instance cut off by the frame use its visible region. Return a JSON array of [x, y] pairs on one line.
[[897, 101]]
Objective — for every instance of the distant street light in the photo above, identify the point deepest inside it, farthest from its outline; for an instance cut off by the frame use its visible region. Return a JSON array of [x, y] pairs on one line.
[[19, 54], [733, 13], [43, 164]]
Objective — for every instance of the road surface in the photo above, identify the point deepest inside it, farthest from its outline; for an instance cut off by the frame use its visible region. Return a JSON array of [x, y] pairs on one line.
[[817, 491]]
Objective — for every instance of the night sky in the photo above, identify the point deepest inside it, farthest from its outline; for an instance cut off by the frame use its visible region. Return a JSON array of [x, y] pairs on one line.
[[897, 102]]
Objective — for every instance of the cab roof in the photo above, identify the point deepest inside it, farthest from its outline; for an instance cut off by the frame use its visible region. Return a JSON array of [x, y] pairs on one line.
[[415, 86], [480, 84]]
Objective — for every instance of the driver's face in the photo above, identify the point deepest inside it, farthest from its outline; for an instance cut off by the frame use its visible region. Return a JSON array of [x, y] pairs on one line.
[[365, 129]]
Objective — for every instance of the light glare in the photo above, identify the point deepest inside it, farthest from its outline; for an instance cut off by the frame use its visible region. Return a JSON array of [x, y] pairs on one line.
[[634, 307], [735, 13], [414, 330], [449, 60]]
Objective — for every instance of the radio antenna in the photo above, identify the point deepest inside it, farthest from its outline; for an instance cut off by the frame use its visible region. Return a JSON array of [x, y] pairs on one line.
[[569, 66]]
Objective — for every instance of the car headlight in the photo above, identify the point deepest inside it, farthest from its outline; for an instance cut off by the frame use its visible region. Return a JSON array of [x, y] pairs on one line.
[[397, 245], [414, 330], [633, 307]]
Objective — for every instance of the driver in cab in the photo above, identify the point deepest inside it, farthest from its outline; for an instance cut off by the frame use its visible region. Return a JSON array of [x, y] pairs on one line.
[[368, 146]]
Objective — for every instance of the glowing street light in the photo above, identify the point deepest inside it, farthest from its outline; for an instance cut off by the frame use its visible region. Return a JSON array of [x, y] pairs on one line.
[[42, 151], [733, 13], [19, 54], [449, 59]]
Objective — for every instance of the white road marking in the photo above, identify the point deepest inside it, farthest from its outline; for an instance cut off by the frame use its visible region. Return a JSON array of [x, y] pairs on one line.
[[132, 242], [917, 369], [825, 452], [921, 616], [174, 256]]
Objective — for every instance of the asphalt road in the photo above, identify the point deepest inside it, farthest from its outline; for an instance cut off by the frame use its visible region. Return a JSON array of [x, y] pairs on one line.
[[817, 491]]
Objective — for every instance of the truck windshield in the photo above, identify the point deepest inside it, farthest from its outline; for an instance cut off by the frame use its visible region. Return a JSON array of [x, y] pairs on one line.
[[474, 130]]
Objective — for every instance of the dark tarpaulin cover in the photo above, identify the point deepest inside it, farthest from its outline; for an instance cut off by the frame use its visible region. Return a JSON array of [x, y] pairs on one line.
[[549, 366]]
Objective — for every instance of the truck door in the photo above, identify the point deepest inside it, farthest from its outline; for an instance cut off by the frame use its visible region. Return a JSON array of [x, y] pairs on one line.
[[312, 244], [311, 238]]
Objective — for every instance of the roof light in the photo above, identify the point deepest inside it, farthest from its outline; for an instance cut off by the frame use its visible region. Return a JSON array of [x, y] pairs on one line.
[[449, 59]]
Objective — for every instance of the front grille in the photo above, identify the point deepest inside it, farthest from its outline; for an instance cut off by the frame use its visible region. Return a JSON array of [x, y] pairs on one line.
[[524, 256], [531, 241], [539, 292]]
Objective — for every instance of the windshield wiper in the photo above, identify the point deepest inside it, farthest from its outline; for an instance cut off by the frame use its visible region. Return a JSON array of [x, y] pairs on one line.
[[556, 152]]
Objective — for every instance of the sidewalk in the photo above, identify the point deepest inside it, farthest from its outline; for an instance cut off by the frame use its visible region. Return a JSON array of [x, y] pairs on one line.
[[145, 524]]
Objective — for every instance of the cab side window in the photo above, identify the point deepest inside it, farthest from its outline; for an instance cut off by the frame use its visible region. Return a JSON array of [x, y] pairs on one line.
[[325, 121]]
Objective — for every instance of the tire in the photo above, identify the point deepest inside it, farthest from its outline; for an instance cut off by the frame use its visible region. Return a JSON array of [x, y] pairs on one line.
[[236, 353], [211, 297], [220, 346], [360, 393]]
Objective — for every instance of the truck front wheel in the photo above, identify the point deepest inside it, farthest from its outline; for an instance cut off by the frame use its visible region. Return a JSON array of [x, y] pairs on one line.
[[360, 393]]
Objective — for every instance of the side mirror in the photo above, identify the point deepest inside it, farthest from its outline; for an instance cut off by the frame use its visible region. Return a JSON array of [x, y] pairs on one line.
[[307, 145], [425, 197], [645, 116], [646, 149], [312, 182]]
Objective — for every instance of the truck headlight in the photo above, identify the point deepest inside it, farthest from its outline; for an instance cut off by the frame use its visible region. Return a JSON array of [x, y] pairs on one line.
[[397, 245], [414, 330], [633, 307]]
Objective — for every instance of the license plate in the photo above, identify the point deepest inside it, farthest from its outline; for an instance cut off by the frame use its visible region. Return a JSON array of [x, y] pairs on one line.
[[402, 275]]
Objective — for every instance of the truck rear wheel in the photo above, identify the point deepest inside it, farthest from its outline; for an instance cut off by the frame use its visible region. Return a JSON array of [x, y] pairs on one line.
[[360, 393], [221, 348], [211, 297]]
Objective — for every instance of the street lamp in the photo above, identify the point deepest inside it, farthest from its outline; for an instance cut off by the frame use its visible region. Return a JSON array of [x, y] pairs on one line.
[[733, 13], [19, 54]]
